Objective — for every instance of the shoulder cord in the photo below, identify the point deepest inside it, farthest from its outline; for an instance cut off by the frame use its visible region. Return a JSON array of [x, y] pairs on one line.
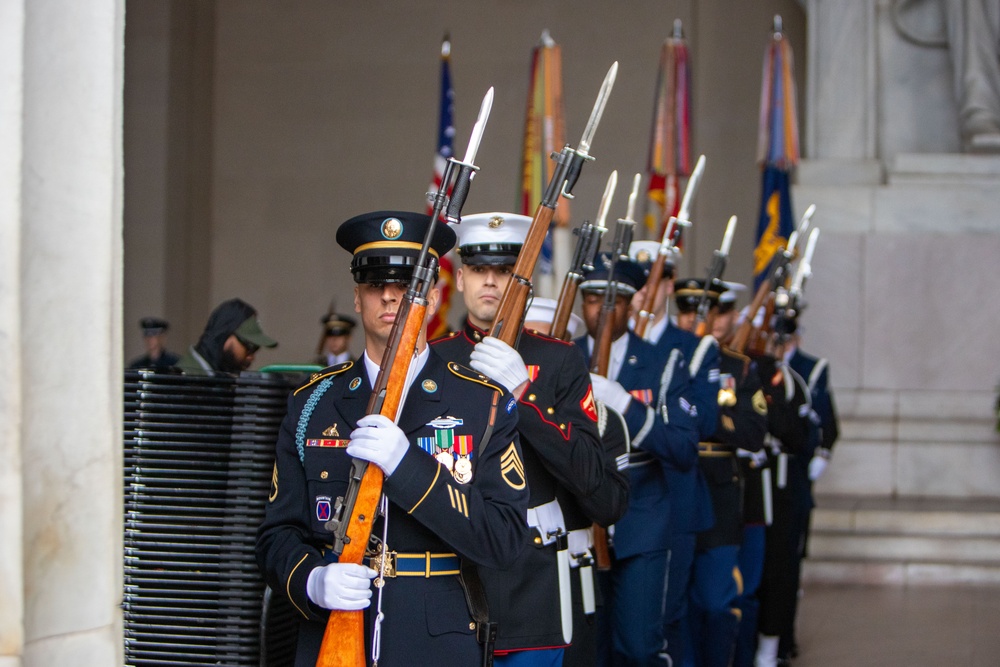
[[306, 414]]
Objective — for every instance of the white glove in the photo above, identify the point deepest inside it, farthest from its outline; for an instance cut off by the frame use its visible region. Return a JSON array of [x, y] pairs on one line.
[[379, 440], [496, 359], [758, 459], [340, 586], [610, 393], [817, 465]]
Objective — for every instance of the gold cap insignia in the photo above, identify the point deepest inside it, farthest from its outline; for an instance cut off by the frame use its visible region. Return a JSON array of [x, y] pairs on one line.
[[392, 228], [642, 256], [495, 222]]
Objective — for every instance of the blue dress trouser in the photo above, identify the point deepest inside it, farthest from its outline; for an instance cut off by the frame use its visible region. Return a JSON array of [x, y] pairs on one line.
[[751, 560], [632, 616], [675, 629], [712, 614]]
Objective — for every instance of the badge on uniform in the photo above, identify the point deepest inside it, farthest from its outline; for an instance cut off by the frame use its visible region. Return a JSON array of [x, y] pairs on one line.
[[644, 396], [323, 508], [727, 390], [338, 443], [587, 404], [532, 372], [452, 451]]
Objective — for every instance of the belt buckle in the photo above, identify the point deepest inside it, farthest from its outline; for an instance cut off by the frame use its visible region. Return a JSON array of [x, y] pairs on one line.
[[390, 564]]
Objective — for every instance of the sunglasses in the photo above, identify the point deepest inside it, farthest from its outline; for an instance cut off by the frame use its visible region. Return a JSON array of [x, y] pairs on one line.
[[251, 347]]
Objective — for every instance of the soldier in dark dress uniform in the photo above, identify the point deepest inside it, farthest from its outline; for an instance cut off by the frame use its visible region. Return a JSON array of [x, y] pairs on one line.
[[690, 500], [648, 390], [455, 484], [335, 339], [572, 481], [157, 357], [715, 587]]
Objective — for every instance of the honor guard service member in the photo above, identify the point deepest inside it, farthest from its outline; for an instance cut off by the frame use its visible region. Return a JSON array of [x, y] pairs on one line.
[[154, 335], [335, 339], [647, 389], [455, 482], [756, 504], [713, 594], [568, 473], [791, 438], [614, 436]]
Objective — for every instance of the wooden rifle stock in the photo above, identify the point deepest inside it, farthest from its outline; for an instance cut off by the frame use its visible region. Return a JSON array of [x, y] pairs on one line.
[[599, 365], [743, 334], [564, 308], [645, 314], [344, 638]]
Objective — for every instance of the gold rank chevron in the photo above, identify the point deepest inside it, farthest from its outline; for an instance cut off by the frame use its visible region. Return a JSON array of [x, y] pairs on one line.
[[510, 465], [458, 501]]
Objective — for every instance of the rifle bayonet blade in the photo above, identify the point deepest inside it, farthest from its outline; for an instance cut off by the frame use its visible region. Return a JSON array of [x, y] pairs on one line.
[[727, 239], [630, 211], [595, 114], [477, 129], [609, 194], [684, 213]]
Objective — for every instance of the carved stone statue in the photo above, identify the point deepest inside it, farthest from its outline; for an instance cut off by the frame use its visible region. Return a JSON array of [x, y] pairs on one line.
[[971, 33]]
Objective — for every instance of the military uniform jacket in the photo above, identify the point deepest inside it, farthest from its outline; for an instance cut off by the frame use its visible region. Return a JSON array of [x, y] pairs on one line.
[[742, 425], [564, 460], [816, 374], [690, 498], [449, 409], [663, 433]]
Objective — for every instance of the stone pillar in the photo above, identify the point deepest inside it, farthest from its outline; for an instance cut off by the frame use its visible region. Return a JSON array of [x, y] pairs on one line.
[[60, 332], [11, 543]]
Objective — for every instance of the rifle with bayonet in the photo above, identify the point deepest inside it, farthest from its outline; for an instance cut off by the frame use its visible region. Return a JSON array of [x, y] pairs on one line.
[[749, 337], [703, 325], [789, 303], [569, 162], [601, 356], [584, 256], [354, 512], [668, 245]]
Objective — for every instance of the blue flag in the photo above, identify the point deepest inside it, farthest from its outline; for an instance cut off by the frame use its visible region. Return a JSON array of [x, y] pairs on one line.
[[775, 224]]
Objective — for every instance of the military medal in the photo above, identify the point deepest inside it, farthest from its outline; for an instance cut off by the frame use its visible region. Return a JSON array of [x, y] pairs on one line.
[[727, 390], [454, 452], [463, 462]]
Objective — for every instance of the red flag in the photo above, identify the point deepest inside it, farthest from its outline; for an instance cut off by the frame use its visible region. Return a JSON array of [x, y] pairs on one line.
[[670, 137]]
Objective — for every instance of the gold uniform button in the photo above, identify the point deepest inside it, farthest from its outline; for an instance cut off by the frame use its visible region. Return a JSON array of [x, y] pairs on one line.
[[562, 426], [324, 475], [472, 625], [531, 397], [538, 540], [551, 410]]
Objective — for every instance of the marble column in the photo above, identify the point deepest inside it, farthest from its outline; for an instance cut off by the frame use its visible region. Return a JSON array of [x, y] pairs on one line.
[[60, 332]]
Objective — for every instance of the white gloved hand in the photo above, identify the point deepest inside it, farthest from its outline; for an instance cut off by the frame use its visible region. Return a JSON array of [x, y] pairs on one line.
[[340, 586], [817, 465], [758, 459], [496, 359], [379, 440], [610, 393]]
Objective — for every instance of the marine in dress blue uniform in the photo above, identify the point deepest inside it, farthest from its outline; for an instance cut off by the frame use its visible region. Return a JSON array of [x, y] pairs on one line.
[[568, 471], [713, 615], [648, 390], [456, 495]]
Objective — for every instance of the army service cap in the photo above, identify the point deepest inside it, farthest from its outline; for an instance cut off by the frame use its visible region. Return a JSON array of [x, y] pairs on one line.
[[629, 276], [153, 326], [385, 244], [688, 292], [492, 238], [335, 324]]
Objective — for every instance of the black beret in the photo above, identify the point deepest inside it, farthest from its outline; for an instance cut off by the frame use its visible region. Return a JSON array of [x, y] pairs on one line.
[[385, 244]]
